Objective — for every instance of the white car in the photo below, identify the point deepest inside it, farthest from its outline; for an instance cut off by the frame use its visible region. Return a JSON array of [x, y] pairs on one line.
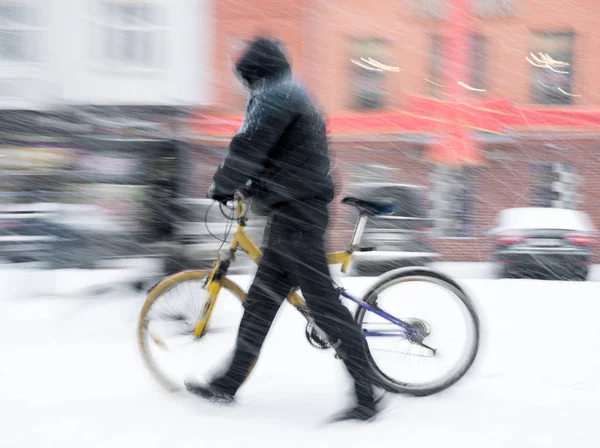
[[534, 241]]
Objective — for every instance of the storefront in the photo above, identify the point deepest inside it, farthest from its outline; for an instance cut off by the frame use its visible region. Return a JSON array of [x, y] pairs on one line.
[[131, 169], [107, 178]]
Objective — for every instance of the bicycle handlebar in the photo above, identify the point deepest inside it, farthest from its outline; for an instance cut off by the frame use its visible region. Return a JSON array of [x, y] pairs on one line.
[[239, 195], [239, 198]]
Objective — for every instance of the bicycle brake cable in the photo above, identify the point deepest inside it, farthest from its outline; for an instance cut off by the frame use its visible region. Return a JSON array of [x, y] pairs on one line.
[[227, 228]]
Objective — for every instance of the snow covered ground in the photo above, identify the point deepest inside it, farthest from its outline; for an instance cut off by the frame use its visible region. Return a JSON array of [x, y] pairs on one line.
[[71, 376]]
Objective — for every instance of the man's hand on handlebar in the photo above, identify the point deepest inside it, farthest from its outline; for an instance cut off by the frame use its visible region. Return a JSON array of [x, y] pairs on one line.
[[217, 196], [225, 198], [221, 198]]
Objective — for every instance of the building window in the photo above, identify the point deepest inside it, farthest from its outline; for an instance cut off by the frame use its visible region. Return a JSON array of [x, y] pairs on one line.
[[452, 198], [554, 185], [428, 9], [238, 96], [367, 76], [130, 33], [477, 69], [436, 61], [493, 8], [551, 62], [19, 31]]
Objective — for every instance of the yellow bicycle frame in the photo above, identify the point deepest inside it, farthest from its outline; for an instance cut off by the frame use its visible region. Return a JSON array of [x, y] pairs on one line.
[[241, 240]]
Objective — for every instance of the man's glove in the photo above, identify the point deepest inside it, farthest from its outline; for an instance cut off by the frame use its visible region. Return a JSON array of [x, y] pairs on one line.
[[219, 197]]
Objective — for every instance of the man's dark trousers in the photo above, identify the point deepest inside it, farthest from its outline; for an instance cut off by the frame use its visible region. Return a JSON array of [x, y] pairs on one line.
[[295, 256]]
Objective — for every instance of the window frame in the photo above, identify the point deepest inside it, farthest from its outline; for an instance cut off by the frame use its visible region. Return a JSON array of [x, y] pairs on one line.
[[435, 64], [535, 71], [497, 9], [434, 10], [536, 173], [355, 79], [32, 45], [106, 27], [468, 203], [478, 46]]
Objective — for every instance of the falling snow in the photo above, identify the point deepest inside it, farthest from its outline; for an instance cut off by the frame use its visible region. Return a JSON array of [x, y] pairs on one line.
[[479, 119]]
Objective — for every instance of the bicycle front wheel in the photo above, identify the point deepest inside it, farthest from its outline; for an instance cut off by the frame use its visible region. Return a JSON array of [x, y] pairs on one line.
[[167, 322], [444, 317]]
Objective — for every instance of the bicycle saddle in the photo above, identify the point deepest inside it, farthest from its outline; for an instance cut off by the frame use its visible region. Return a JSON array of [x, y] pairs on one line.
[[371, 207]]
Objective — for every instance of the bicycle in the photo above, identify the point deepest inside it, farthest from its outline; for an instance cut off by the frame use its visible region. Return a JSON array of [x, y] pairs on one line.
[[418, 335]]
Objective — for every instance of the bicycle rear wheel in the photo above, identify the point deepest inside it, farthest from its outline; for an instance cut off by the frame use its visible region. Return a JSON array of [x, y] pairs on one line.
[[443, 314], [166, 326]]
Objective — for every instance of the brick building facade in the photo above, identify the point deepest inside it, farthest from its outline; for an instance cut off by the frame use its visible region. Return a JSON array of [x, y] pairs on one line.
[[369, 58]]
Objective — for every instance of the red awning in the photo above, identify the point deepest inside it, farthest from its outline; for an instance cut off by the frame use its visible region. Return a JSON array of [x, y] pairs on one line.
[[425, 115], [450, 121]]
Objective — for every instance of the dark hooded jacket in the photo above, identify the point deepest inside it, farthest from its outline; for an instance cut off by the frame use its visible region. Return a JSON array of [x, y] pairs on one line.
[[282, 144]]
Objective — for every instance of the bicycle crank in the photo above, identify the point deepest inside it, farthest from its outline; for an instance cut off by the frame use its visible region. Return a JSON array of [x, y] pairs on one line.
[[316, 338]]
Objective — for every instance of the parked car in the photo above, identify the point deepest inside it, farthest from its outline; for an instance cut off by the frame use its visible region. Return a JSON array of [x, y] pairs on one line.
[[60, 235], [26, 233], [544, 241], [399, 239]]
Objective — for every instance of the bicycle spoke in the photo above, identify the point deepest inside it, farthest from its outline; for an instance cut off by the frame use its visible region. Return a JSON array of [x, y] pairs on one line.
[[169, 347], [399, 353]]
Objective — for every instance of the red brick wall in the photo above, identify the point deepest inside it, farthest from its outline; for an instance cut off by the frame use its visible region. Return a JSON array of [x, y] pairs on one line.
[[317, 34]]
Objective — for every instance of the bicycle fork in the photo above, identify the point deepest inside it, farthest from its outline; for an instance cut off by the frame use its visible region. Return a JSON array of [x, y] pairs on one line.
[[213, 286]]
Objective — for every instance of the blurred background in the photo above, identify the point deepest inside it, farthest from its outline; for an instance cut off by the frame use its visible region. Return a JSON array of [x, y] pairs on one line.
[[472, 114]]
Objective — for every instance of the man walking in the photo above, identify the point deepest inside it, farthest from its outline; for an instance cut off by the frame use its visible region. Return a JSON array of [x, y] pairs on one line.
[[282, 147]]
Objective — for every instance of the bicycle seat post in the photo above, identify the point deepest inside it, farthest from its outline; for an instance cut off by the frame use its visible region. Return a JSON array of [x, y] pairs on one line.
[[358, 231]]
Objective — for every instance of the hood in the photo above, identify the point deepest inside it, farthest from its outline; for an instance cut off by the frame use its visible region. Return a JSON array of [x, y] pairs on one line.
[[264, 59]]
